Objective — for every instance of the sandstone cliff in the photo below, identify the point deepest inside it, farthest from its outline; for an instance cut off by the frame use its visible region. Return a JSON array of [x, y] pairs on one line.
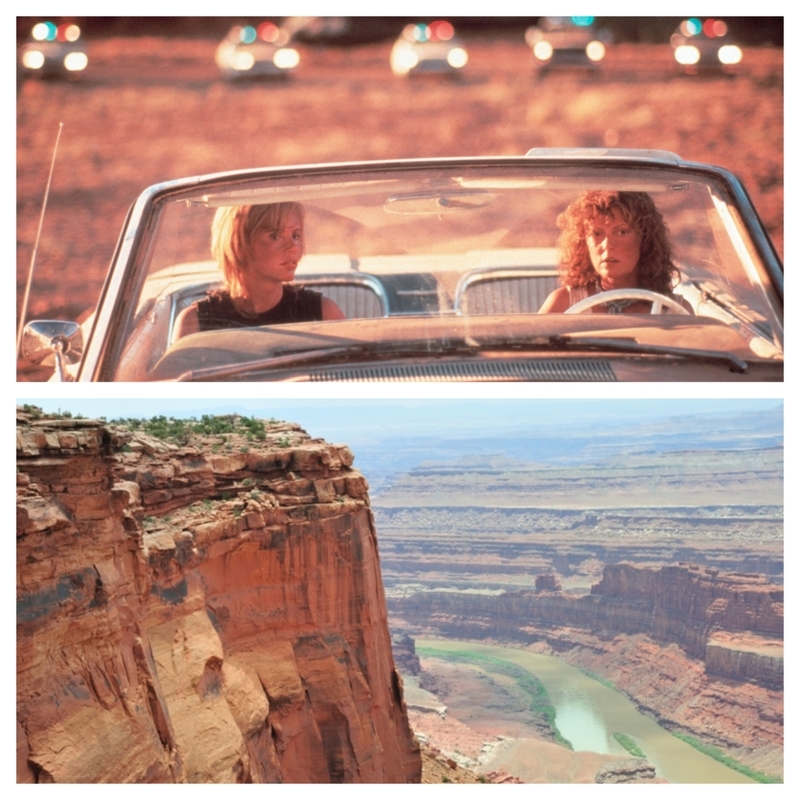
[[711, 615], [205, 613]]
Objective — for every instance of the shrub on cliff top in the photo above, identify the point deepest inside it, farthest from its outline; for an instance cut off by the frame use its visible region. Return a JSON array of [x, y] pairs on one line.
[[255, 427], [179, 430]]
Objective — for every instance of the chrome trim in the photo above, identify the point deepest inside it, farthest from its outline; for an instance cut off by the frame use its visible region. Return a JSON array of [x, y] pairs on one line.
[[107, 306], [620, 153], [53, 343], [544, 369]]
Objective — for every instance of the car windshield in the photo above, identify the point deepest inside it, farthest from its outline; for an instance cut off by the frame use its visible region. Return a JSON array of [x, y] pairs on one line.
[[401, 246]]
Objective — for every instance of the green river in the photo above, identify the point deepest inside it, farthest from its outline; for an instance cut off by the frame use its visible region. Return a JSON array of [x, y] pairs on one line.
[[589, 713]]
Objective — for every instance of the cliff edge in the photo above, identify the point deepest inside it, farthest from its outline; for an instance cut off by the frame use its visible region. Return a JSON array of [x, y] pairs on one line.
[[205, 612]]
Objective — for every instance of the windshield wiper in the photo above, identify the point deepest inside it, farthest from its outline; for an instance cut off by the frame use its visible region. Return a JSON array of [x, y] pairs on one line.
[[342, 353], [573, 341], [270, 362]]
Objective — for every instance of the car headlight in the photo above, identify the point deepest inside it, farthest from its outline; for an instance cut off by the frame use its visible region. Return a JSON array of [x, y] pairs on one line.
[[44, 32], [457, 57], [729, 54], [543, 51], [75, 62], [286, 58], [243, 61], [595, 51], [687, 54], [404, 59], [33, 59]]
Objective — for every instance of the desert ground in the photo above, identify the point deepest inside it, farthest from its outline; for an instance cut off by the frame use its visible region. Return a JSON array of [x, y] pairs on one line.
[[152, 109]]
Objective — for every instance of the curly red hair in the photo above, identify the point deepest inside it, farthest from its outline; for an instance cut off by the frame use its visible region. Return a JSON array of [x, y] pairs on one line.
[[656, 269]]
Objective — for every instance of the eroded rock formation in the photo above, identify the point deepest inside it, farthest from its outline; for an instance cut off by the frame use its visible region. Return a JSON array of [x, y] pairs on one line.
[[186, 615], [699, 649], [634, 770]]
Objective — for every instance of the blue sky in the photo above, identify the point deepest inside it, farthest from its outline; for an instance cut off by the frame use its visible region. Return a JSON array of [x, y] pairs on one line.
[[355, 420]]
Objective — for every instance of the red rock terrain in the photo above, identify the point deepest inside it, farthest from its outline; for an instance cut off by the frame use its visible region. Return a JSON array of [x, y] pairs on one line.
[[200, 614], [700, 650], [152, 109], [478, 721]]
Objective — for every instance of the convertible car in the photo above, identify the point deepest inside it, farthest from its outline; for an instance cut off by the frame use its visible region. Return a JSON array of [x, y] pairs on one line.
[[441, 267]]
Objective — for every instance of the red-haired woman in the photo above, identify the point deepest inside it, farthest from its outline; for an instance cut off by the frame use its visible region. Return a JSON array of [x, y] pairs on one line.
[[614, 241]]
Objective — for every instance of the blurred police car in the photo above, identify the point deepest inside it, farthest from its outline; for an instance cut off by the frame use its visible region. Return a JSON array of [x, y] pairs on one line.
[[705, 45], [566, 42], [53, 51], [428, 48], [256, 51]]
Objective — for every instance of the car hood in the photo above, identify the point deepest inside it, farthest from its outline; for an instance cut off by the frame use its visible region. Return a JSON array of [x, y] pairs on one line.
[[212, 355]]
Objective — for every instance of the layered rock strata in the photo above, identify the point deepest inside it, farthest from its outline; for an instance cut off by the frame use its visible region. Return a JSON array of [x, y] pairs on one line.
[[699, 649], [507, 548], [689, 605], [704, 611], [634, 770], [185, 615]]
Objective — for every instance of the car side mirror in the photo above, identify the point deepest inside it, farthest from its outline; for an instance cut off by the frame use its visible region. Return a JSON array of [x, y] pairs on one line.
[[53, 343]]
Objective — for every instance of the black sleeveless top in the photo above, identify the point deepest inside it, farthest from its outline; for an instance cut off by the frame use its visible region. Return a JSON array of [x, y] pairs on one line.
[[298, 304]]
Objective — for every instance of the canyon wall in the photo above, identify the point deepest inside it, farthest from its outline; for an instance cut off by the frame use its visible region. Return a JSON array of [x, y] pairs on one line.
[[506, 548], [688, 605], [702, 610], [209, 613], [700, 650]]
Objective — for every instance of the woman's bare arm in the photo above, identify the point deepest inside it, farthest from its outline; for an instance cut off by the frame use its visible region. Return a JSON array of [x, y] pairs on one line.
[[556, 303], [186, 322], [330, 310]]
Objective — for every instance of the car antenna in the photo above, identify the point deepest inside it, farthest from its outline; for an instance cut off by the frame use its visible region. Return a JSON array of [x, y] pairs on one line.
[[24, 309]]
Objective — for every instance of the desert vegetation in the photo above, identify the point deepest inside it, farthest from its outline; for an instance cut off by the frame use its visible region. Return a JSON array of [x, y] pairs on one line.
[[630, 745], [172, 428], [718, 755], [526, 681]]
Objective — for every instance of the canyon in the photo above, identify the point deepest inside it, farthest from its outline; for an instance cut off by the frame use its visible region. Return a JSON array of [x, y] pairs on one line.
[[493, 514], [200, 606], [203, 612], [699, 650], [650, 564]]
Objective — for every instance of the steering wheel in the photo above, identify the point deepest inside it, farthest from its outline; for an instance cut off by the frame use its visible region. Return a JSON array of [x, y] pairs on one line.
[[657, 301]]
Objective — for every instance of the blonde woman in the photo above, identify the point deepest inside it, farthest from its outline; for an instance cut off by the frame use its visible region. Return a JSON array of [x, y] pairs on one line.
[[258, 249]]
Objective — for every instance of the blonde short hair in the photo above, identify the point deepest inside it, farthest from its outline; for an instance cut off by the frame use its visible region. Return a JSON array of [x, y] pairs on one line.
[[232, 233]]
